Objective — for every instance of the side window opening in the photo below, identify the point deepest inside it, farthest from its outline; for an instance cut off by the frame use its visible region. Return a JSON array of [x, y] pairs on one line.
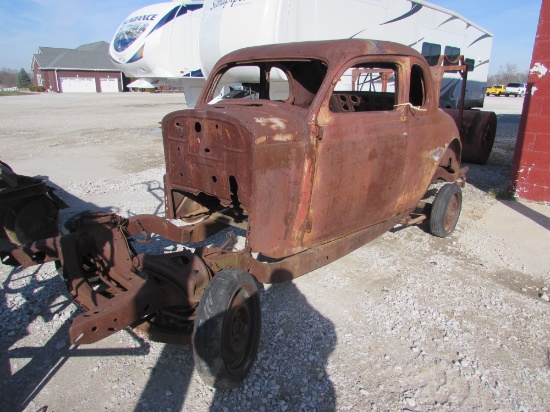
[[366, 87], [417, 89], [431, 53]]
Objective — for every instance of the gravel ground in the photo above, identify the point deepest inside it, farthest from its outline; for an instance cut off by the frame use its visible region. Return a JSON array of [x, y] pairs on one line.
[[407, 322]]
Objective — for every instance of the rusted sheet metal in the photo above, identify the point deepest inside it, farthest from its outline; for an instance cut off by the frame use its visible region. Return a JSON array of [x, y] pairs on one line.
[[267, 153], [314, 258], [28, 208]]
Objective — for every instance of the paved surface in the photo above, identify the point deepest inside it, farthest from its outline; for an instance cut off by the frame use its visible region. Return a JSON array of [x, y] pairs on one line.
[[407, 322]]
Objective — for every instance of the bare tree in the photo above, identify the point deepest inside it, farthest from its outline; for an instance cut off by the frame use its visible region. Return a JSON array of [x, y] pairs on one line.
[[508, 73], [8, 77]]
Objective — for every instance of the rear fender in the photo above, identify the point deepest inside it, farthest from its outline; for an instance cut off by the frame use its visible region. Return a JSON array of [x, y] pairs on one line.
[[448, 169]]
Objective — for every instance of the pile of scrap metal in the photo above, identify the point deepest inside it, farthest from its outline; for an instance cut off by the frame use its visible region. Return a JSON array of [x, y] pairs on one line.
[[28, 209]]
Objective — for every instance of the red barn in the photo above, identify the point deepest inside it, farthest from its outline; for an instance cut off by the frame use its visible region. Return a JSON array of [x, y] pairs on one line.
[[87, 68]]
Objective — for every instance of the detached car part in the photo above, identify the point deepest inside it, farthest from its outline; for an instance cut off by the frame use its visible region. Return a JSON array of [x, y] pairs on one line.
[[28, 208]]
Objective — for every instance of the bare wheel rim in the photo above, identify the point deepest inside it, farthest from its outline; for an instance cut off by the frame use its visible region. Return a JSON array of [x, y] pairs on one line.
[[239, 331], [452, 212]]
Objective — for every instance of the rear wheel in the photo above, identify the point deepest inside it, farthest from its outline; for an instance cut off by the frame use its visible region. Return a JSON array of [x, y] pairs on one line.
[[446, 210], [483, 135], [227, 329]]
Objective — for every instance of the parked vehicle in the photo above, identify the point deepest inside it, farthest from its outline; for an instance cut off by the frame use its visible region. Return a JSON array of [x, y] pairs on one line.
[[496, 89], [515, 89], [349, 151]]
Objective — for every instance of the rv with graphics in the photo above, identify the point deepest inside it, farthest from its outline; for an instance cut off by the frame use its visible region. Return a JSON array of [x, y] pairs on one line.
[[159, 42], [228, 25]]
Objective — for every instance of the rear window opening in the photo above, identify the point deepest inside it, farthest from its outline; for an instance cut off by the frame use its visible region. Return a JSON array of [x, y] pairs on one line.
[[365, 87]]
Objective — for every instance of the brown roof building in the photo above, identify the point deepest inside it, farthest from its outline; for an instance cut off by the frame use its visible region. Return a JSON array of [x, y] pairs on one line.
[[86, 69]]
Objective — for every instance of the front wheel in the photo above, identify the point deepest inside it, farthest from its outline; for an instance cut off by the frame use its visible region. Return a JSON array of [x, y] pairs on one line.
[[227, 329], [446, 210]]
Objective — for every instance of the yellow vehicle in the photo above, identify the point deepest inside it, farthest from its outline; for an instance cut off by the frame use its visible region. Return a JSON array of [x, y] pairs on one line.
[[496, 89]]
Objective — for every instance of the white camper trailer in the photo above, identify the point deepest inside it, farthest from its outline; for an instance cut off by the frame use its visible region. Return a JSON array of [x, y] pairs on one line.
[[166, 47], [159, 42], [228, 25]]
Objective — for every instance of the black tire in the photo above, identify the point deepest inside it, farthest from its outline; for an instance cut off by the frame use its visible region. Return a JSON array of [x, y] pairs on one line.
[[445, 210], [227, 329], [482, 136]]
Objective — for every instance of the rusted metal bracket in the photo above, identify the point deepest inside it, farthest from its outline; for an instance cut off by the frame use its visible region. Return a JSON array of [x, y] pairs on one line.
[[445, 65]]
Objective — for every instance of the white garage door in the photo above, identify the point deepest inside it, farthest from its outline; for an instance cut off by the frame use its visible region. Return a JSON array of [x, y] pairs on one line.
[[109, 85], [77, 84]]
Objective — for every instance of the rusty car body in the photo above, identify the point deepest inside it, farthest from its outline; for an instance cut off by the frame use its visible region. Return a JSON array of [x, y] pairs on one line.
[[346, 154]]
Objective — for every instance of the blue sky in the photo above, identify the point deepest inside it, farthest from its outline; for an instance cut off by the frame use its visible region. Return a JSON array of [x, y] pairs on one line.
[[28, 24]]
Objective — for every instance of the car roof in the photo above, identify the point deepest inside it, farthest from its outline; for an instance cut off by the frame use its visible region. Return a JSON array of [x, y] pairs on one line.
[[335, 51]]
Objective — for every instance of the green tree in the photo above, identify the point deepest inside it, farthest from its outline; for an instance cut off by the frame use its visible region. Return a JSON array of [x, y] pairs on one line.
[[23, 79]]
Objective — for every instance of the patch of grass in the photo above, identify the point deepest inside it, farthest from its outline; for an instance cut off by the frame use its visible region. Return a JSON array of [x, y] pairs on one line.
[[502, 194], [14, 93]]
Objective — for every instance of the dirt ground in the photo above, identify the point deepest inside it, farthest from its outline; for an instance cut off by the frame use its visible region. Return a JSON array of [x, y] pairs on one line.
[[407, 322]]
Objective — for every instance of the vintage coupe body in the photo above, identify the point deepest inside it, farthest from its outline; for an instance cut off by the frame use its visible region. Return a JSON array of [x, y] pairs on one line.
[[346, 151], [323, 163]]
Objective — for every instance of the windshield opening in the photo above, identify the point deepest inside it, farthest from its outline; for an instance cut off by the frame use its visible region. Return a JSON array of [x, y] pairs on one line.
[[291, 82]]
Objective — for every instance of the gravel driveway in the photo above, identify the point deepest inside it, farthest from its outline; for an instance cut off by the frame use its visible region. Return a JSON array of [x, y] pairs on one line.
[[407, 322]]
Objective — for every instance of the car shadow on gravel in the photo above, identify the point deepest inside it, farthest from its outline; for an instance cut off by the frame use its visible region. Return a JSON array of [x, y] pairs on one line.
[[169, 380], [288, 374], [40, 364]]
